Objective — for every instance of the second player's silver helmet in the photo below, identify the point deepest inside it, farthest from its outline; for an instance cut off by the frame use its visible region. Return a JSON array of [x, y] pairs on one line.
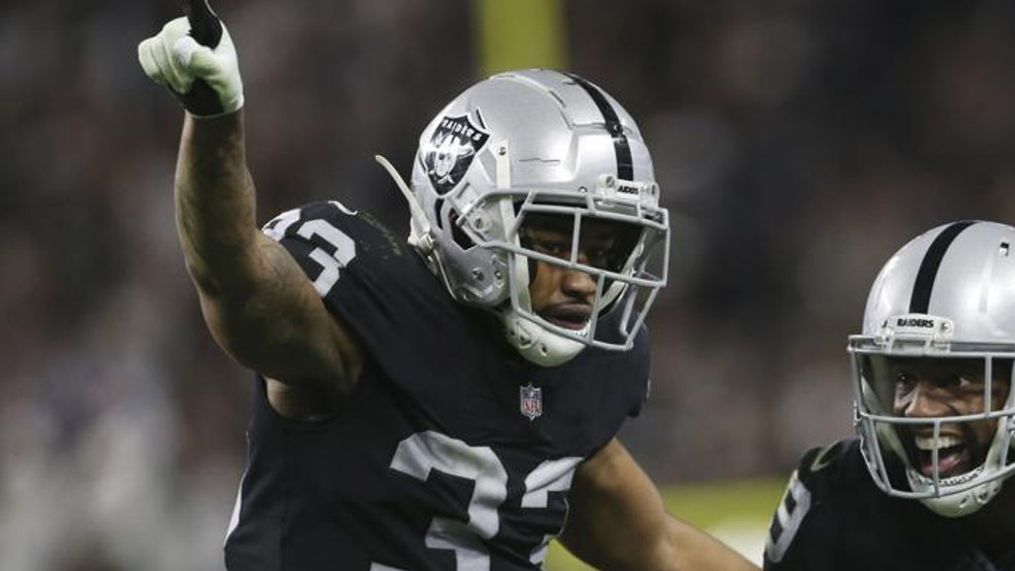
[[537, 142], [948, 294]]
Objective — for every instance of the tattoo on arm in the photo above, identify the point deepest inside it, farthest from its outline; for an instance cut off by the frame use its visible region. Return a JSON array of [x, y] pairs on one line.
[[257, 302]]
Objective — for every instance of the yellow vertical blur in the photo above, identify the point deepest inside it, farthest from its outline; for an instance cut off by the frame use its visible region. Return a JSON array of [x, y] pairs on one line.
[[517, 34]]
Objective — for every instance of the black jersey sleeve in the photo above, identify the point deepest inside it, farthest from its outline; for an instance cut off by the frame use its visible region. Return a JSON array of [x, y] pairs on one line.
[[358, 267], [340, 250], [803, 529], [833, 517], [376, 284]]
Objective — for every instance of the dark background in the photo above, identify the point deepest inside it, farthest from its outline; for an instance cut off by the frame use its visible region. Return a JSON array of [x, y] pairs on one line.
[[798, 144]]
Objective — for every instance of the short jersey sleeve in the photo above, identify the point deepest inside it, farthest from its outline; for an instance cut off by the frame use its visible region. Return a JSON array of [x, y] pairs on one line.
[[795, 536], [324, 238], [370, 279]]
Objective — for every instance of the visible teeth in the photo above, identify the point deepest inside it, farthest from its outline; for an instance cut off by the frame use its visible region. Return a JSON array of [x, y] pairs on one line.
[[928, 443]]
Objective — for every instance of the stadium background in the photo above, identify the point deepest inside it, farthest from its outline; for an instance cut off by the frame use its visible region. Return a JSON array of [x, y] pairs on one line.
[[798, 143]]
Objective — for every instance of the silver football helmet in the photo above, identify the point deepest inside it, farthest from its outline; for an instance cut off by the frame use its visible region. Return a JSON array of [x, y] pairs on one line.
[[518, 147], [943, 306]]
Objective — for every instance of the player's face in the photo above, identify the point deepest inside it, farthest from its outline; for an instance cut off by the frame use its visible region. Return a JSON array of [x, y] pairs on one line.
[[565, 296], [932, 388]]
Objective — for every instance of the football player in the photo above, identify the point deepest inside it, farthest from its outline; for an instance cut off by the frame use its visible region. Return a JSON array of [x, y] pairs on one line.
[[924, 485], [441, 404]]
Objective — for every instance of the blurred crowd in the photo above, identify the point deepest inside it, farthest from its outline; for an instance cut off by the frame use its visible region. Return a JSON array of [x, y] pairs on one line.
[[798, 144]]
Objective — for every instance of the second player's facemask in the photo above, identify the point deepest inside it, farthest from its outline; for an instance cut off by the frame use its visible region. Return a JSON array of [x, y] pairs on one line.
[[939, 412], [932, 370]]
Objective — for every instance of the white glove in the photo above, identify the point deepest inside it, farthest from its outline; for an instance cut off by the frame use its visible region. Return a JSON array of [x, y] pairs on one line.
[[174, 59]]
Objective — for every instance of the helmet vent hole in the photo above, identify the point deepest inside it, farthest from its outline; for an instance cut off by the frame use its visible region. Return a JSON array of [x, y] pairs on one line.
[[457, 234], [437, 205], [1004, 249]]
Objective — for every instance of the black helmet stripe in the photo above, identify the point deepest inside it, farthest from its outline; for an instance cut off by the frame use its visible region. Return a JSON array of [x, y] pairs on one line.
[[920, 300], [625, 167]]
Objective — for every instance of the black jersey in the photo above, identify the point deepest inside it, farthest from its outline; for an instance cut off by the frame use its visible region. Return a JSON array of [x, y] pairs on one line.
[[452, 452], [833, 517]]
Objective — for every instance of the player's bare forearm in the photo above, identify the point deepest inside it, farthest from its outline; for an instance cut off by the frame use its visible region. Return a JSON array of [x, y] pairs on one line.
[[215, 205], [691, 548], [617, 521]]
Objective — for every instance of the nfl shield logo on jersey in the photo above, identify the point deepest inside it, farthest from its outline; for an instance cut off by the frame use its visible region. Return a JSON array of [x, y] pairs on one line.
[[451, 149], [531, 401]]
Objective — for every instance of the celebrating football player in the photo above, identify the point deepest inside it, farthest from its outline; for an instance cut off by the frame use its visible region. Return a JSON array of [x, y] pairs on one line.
[[923, 486], [441, 404]]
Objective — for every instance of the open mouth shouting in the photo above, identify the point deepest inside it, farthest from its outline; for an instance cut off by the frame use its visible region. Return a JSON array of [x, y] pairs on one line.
[[955, 456]]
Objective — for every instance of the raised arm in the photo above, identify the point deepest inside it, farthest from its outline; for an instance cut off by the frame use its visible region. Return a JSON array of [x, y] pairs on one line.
[[617, 521], [257, 302]]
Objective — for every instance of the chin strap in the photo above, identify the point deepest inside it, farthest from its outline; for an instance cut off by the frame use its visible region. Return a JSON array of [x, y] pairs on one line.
[[420, 234]]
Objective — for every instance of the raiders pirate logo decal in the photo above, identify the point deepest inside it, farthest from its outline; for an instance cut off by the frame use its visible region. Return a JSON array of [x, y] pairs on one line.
[[453, 146]]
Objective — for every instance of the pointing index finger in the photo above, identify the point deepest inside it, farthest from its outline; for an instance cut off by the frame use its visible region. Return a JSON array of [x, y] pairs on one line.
[[205, 26]]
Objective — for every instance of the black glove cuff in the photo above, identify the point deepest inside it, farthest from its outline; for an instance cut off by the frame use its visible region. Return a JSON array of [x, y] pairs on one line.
[[201, 100]]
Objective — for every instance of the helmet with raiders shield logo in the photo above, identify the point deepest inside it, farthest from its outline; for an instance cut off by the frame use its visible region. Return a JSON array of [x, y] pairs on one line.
[[525, 148], [932, 370]]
